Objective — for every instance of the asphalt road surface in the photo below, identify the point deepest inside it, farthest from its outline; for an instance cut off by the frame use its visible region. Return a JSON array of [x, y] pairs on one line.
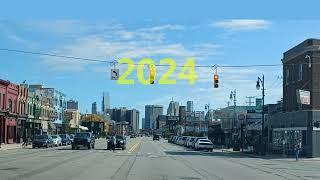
[[145, 159]]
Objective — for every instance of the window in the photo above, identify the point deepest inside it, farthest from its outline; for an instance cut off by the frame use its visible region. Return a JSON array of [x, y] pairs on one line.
[[10, 105], [287, 76], [3, 101], [300, 72]]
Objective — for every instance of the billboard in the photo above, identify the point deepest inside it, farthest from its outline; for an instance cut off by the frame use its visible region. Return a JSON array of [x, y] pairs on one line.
[[303, 97]]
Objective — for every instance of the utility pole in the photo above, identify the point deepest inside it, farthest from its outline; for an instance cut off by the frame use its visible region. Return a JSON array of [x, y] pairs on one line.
[[262, 145], [249, 98], [234, 98]]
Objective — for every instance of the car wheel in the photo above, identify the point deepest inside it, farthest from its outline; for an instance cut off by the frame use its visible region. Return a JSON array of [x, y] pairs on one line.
[[72, 147], [47, 146], [33, 147], [92, 146], [77, 147], [89, 146]]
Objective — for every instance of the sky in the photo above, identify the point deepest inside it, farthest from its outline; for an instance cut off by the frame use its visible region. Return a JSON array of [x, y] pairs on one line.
[[211, 32]]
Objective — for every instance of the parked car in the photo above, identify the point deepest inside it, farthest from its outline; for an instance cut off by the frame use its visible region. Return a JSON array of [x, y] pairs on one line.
[[57, 140], [65, 139], [84, 139], [176, 141], [195, 140], [156, 137], [182, 140], [42, 141], [121, 142], [205, 144], [71, 137], [189, 141]]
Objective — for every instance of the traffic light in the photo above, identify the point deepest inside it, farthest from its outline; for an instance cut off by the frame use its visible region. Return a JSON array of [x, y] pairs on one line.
[[152, 74], [216, 80]]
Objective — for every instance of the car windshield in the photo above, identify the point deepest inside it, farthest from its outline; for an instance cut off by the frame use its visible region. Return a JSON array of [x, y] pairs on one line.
[[82, 135], [42, 137]]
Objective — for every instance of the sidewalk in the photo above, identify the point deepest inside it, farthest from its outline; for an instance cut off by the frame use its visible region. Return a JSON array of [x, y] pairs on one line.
[[10, 146], [268, 156]]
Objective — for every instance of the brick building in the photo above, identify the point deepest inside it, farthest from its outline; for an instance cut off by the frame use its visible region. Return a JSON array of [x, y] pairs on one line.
[[8, 111], [298, 123]]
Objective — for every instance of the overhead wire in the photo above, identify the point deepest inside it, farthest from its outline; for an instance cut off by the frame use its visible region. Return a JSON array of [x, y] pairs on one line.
[[115, 61]]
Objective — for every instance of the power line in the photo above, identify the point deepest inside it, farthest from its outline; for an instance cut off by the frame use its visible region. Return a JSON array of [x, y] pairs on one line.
[[116, 62]]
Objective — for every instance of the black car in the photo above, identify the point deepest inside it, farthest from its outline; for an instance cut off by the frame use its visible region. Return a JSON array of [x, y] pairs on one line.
[[84, 139], [156, 137], [42, 141], [65, 139], [121, 142]]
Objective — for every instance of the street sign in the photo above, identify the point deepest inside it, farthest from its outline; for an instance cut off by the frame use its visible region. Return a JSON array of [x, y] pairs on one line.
[[114, 74], [303, 97]]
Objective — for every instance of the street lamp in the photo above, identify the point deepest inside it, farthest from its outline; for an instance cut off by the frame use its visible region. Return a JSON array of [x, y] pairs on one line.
[[262, 113]]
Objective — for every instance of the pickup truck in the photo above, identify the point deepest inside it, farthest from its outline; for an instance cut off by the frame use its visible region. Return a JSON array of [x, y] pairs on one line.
[[84, 139]]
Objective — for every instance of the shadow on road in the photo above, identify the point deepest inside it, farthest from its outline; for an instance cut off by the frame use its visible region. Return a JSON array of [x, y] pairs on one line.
[[220, 154]]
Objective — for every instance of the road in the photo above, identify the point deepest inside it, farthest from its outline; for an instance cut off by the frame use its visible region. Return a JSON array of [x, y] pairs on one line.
[[145, 159]]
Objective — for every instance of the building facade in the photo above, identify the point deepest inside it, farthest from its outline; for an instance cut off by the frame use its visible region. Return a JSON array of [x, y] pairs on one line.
[[189, 106], [299, 122], [133, 119], [94, 108], [72, 104], [173, 108], [151, 114], [22, 111], [9, 111], [105, 102]]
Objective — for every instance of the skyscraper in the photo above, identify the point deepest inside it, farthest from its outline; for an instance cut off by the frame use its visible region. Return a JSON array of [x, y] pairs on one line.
[[132, 117], [94, 108], [151, 114], [189, 106], [173, 109], [105, 102]]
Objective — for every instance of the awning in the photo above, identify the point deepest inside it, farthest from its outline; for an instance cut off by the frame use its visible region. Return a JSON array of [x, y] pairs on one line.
[[83, 128], [51, 125]]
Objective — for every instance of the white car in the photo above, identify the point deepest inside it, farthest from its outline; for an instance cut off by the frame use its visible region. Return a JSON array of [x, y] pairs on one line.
[[57, 140], [205, 144]]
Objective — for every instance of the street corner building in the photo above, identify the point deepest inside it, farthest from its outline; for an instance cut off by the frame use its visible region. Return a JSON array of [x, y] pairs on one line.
[[300, 116], [8, 111]]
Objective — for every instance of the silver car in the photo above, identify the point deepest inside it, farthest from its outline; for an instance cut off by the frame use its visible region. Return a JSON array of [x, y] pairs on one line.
[[57, 140]]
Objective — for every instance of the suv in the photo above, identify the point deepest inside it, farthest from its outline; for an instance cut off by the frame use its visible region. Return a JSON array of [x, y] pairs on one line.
[[84, 139], [42, 141], [121, 142], [156, 137]]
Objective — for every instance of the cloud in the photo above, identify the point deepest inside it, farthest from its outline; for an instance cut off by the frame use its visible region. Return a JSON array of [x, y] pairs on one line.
[[241, 24], [164, 27]]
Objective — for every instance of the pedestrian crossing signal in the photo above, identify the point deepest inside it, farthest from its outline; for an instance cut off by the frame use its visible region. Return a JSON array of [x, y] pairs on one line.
[[216, 80]]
